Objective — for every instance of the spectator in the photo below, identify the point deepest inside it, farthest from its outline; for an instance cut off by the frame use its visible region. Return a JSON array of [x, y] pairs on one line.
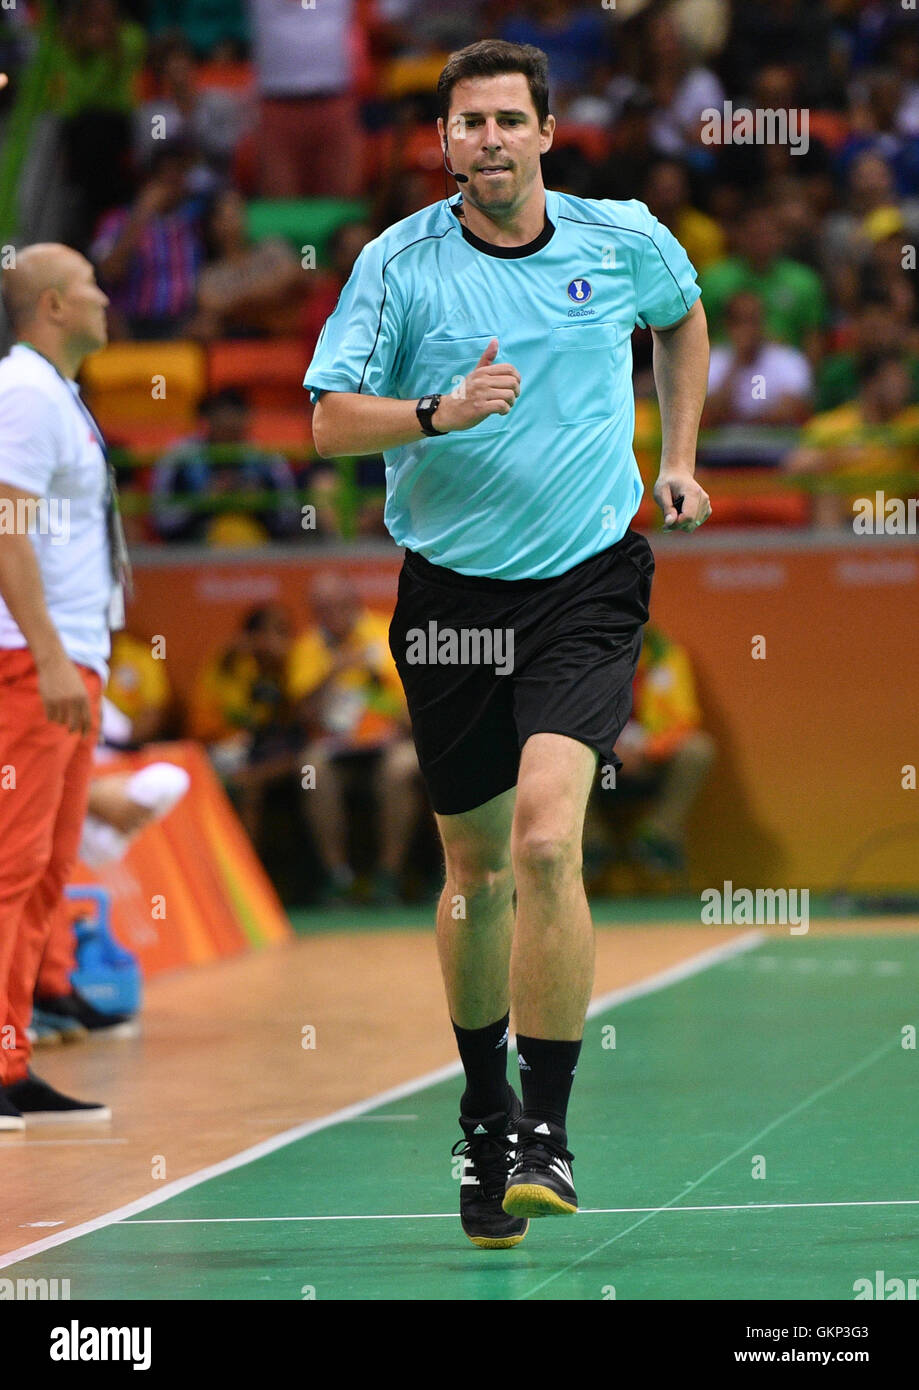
[[632, 150], [216, 29], [666, 755], [310, 136], [666, 192], [351, 698], [139, 687], [680, 88], [249, 288], [875, 328], [94, 65], [189, 478], [754, 381], [575, 38], [874, 131], [885, 272], [149, 254], [869, 188], [212, 119], [241, 708], [793, 296], [876, 434], [324, 286]]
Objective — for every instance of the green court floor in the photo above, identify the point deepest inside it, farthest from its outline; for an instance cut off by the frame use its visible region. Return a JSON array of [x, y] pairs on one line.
[[785, 1060]]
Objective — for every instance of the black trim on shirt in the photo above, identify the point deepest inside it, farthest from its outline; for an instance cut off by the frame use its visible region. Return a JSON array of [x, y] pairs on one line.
[[506, 253]]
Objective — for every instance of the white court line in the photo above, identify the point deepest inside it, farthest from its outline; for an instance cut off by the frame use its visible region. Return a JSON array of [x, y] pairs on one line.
[[694, 965], [743, 1148], [451, 1215], [27, 1144]]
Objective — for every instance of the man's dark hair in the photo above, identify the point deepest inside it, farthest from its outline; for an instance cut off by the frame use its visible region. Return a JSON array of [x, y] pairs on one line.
[[876, 361], [493, 58]]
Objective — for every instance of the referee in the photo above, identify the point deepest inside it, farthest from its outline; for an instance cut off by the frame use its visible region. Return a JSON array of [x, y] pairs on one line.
[[483, 345]]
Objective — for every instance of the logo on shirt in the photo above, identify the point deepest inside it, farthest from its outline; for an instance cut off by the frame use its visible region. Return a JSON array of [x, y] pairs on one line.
[[579, 291]]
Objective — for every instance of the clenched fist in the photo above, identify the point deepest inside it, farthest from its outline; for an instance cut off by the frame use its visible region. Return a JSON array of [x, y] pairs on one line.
[[491, 388]]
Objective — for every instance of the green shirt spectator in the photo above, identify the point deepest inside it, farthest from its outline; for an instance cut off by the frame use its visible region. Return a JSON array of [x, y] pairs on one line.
[[838, 380], [791, 293], [96, 59]]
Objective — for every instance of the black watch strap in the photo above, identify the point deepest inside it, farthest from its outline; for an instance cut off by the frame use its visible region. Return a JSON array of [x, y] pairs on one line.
[[424, 410]]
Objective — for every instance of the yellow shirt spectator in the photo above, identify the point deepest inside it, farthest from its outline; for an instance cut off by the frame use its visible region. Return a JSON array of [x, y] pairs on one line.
[[363, 704], [664, 700], [138, 684]]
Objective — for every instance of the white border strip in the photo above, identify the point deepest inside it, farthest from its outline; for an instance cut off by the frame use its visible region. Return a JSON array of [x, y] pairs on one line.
[[672, 975], [582, 1211]]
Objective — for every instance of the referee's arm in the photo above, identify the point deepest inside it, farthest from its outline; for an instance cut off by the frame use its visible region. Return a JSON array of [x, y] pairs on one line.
[[681, 377], [348, 423]]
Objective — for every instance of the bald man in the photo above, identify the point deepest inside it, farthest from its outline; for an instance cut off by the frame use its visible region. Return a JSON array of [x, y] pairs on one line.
[[61, 564], [342, 673]]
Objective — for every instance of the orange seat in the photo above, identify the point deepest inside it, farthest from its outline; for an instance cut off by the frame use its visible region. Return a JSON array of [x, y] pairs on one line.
[[283, 430], [269, 373], [593, 143], [129, 384]]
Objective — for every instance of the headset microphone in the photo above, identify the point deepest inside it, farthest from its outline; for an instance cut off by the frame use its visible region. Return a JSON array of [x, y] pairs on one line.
[[460, 178]]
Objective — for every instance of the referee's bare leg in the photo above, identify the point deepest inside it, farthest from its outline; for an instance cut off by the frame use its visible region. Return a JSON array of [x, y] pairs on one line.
[[530, 837]]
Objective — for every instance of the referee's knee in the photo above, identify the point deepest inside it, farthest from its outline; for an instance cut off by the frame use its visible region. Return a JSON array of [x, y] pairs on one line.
[[544, 854], [478, 877]]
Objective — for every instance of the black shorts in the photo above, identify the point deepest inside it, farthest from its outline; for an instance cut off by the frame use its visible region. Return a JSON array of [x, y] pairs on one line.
[[568, 647]]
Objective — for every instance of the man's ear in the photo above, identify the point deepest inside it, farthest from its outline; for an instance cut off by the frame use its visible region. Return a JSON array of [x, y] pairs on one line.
[[546, 135]]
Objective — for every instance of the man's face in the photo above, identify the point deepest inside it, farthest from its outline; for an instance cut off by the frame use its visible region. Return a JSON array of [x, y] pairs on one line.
[[335, 608], [83, 306], [493, 137], [744, 322]]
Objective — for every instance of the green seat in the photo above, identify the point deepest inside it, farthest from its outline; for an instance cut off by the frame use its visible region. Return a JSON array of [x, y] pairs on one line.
[[303, 221]]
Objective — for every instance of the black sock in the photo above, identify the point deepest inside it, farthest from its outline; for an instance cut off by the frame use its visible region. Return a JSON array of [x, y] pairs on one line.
[[483, 1053], [546, 1074]]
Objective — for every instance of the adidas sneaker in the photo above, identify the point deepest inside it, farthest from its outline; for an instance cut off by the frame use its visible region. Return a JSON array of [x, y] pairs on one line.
[[540, 1182]]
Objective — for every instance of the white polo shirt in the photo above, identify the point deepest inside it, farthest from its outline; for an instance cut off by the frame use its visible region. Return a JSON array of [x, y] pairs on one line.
[[48, 447]]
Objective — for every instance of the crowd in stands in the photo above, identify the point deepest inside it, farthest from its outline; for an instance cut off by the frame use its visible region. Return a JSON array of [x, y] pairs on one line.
[[226, 164]]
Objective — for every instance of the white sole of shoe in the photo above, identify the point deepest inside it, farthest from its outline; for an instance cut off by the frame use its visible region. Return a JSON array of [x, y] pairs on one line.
[[99, 1115], [129, 1029], [9, 1124]]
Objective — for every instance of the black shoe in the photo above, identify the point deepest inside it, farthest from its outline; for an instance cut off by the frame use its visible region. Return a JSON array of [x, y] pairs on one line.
[[96, 1023], [38, 1103], [488, 1153], [10, 1117], [540, 1182]]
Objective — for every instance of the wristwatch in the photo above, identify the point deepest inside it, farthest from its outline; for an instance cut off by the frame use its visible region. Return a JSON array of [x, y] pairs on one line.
[[424, 410]]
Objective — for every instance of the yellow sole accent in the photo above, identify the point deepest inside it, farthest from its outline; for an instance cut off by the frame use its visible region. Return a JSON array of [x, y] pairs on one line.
[[497, 1242], [531, 1199]]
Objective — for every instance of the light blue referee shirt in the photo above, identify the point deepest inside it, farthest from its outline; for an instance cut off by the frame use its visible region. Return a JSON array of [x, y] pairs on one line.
[[529, 494]]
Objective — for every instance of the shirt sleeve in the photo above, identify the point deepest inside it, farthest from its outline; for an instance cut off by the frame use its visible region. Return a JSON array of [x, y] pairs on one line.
[[30, 449], [666, 287], [360, 339]]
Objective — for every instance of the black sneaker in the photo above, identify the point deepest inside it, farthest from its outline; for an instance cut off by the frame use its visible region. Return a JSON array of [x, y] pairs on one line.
[[488, 1154], [540, 1182], [96, 1023], [10, 1117], [39, 1103]]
